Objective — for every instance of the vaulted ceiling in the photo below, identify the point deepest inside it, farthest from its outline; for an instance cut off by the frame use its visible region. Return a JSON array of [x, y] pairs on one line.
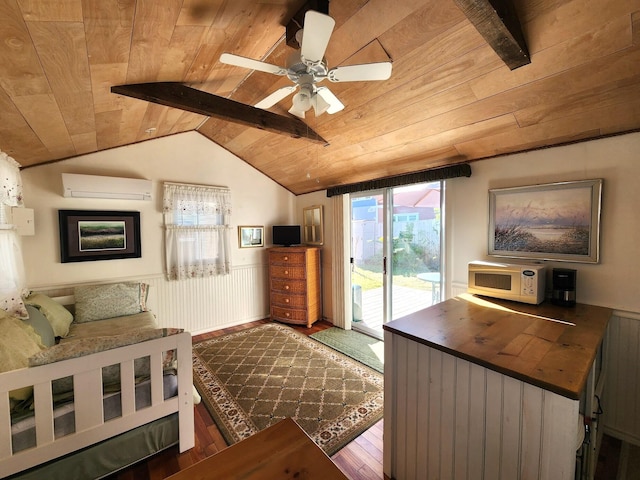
[[450, 98]]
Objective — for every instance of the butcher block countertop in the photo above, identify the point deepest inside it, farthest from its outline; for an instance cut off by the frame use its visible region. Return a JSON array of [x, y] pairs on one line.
[[545, 345]]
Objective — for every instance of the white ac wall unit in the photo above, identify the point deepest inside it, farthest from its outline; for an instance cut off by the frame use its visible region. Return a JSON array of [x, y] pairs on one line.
[[97, 186]]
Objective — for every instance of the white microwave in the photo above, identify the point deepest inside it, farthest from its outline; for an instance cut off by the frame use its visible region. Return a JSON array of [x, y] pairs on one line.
[[521, 283]]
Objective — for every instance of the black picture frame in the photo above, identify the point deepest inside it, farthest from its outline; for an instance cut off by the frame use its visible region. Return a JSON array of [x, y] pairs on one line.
[[91, 235]]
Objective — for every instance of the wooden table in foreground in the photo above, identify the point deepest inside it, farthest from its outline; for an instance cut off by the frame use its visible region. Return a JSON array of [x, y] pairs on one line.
[[281, 452], [490, 389]]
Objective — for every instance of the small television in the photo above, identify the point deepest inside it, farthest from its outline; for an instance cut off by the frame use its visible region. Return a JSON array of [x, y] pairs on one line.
[[286, 235]]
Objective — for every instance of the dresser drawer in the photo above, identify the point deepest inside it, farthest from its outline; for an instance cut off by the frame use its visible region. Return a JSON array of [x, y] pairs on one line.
[[288, 314], [289, 258], [288, 286], [286, 271], [286, 300]]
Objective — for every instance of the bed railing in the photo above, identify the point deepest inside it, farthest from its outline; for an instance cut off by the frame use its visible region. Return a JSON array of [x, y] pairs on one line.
[[90, 426]]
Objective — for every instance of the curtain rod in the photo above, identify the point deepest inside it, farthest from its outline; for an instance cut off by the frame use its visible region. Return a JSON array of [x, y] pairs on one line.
[[177, 184], [431, 175]]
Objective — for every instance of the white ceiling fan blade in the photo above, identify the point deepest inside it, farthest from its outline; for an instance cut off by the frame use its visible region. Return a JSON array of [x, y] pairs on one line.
[[358, 73], [238, 61], [327, 95], [270, 100], [315, 36]]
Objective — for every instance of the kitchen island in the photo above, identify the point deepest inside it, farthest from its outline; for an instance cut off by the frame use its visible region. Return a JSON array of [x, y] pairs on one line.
[[489, 389]]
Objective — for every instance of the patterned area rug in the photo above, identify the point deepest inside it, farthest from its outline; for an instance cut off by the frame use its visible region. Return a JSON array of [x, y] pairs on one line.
[[251, 379], [365, 349]]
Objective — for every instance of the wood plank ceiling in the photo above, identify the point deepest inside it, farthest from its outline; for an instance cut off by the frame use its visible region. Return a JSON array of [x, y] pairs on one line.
[[450, 98]]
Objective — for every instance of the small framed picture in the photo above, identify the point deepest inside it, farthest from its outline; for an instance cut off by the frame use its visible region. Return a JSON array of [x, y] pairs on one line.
[[250, 236], [89, 235]]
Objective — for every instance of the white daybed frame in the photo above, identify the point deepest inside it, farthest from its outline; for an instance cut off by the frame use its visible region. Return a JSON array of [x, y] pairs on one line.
[[90, 427]]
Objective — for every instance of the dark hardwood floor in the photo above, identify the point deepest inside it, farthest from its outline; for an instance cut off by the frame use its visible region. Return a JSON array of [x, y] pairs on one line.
[[359, 460]]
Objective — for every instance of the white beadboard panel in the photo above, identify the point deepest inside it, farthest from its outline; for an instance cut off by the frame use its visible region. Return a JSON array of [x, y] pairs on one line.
[[531, 430], [458, 288], [199, 305], [622, 388], [205, 304], [448, 418]]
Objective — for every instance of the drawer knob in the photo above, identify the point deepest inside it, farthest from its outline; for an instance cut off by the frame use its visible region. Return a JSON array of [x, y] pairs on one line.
[[286, 287], [286, 272], [286, 258], [287, 314], [286, 300]]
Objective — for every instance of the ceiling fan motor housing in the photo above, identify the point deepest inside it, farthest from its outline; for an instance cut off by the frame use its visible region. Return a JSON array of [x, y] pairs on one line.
[[296, 69]]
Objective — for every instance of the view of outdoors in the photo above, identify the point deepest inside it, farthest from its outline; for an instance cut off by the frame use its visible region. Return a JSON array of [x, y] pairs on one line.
[[413, 252]]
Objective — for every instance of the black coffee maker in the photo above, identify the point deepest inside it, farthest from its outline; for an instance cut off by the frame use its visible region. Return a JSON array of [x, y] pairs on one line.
[[564, 287]]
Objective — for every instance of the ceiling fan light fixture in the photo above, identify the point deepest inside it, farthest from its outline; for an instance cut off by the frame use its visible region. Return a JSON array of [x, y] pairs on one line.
[[301, 102], [320, 106]]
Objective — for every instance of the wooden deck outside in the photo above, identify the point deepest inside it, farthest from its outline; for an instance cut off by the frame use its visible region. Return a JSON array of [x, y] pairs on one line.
[[406, 300]]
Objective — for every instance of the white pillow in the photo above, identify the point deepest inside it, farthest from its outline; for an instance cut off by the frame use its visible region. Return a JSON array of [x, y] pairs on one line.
[[12, 303]]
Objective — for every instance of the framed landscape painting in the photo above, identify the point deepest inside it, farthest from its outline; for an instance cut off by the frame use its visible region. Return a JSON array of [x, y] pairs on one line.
[[89, 235], [554, 221]]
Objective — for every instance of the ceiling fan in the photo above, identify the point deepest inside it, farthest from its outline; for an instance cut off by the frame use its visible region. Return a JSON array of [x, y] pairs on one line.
[[308, 67]]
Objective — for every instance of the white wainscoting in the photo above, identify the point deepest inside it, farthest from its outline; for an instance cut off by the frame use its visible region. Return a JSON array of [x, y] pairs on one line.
[[621, 418], [458, 288], [621, 403], [199, 304], [451, 419]]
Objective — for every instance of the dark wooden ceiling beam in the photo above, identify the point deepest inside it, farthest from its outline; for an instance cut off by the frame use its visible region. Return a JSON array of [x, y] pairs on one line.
[[297, 21], [178, 95], [497, 22]]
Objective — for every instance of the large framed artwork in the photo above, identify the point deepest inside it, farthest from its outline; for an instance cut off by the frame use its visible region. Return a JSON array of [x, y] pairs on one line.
[[554, 221], [89, 235]]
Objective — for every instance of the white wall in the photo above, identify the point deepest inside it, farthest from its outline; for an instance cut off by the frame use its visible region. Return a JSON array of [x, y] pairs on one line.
[[326, 254], [613, 281], [189, 158]]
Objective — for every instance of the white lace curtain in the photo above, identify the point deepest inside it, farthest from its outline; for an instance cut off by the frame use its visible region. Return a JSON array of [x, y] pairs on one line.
[[197, 230], [12, 278]]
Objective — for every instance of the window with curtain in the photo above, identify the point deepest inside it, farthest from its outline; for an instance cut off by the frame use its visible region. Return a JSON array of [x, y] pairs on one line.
[[12, 278], [197, 222]]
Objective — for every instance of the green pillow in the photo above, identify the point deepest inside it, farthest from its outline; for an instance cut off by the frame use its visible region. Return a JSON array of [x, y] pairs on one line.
[[98, 302], [59, 317], [41, 326]]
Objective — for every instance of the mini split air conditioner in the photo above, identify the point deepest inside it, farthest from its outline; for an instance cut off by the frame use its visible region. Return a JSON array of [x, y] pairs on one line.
[[96, 186]]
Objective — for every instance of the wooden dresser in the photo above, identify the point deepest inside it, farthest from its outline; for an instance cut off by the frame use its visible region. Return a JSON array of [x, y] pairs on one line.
[[294, 284]]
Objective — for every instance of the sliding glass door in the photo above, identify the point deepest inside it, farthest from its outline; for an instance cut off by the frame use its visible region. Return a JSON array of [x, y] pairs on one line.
[[395, 254]]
